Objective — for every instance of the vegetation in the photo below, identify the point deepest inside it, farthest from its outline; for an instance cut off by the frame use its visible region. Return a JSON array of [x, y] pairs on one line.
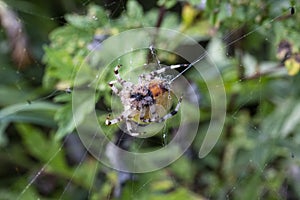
[[253, 44]]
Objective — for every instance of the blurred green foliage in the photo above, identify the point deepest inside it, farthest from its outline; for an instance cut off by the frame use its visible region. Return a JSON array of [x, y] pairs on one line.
[[257, 155]]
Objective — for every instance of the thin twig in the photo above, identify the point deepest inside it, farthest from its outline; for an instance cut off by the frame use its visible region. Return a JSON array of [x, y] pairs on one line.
[[159, 21], [260, 74], [161, 16]]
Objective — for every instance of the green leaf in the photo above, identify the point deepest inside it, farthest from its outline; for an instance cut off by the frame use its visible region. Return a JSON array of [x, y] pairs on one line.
[[283, 120], [181, 166], [253, 188], [31, 110], [96, 17], [43, 148], [64, 118], [37, 142], [67, 51], [134, 10], [167, 3], [3, 138]]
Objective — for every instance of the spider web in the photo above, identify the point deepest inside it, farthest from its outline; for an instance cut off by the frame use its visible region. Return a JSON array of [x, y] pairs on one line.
[[116, 7]]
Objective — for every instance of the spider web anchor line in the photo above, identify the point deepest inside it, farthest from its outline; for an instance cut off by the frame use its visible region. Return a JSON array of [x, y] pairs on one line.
[[187, 68], [154, 55]]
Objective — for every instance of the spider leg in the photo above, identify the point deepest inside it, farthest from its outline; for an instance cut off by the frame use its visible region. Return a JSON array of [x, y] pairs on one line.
[[171, 114], [167, 116], [142, 114], [123, 82], [152, 74], [153, 114], [131, 127], [117, 75], [118, 119], [113, 87], [109, 121]]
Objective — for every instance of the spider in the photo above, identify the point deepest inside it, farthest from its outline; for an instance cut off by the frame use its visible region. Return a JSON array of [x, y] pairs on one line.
[[142, 101]]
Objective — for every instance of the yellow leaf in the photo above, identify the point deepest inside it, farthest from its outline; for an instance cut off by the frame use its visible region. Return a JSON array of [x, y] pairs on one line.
[[189, 14], [162, 185], [293, 65]]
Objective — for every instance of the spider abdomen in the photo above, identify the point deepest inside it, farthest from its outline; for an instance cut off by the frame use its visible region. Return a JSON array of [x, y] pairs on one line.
[[157, 89]]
